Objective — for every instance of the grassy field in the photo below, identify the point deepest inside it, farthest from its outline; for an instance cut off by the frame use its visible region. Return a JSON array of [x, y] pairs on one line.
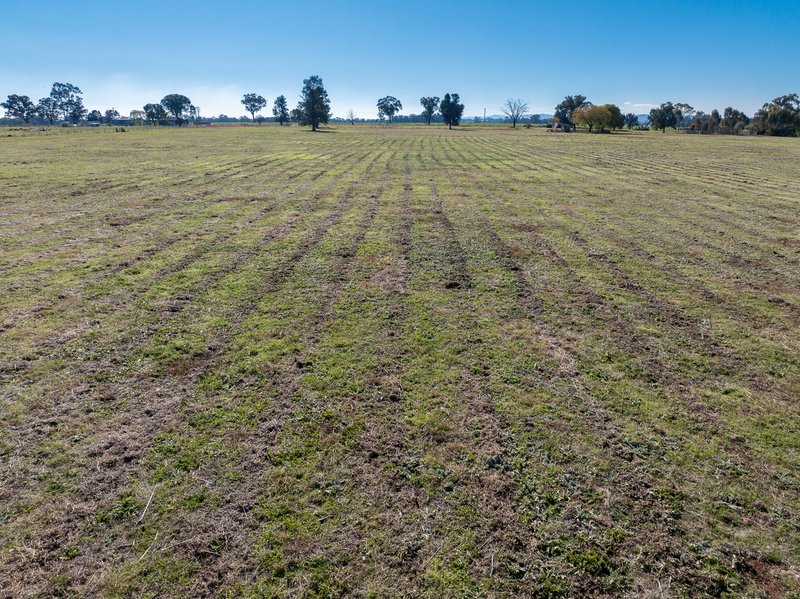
[[398, 362]]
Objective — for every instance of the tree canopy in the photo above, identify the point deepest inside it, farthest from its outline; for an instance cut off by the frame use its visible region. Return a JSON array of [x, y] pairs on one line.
[[568, 106], [714, 121], [733, 121], [590, 116], [253, 103], [779, 117], [280, 109], [430, 104], [602, 117], [19, 107], [314, 107], [388, 106], [155, 113], [452, 110], [664, 116], [616, 120], [48, 109], [682, 111], [176, 105], [67, 101]]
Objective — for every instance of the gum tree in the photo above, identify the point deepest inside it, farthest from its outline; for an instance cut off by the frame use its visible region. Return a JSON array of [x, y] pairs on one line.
[[19, 107], [253, 103], [67, 101], [568, 106], [176, 105], [664, 116], [452, 110], [430, 105], [389, 106], [48, 109], [155, 113]]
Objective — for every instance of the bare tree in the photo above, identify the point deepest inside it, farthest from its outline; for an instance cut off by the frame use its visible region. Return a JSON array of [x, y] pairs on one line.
[[515, 110], [351, 116]]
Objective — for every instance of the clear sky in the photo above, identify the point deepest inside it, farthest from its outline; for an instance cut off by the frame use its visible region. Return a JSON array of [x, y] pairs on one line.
[[709, 53]]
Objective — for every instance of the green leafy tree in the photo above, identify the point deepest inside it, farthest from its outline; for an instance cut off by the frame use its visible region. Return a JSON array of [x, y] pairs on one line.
[[253, 103], [137, 116], [664, 116], [76, 112], [314, 107], [95, 116], [682, 111], [48, 109], [19, 107], [451, 110], [591, 116], [714, 121], [616, 120], [389, 106], [430, 104], [515, 109], [568, 106], [733, 121], [111, 115], [176, 105], [700, 122], [68, 101], [155, 113], [606, 116], [631, 120], [779, 117], [280, 110]]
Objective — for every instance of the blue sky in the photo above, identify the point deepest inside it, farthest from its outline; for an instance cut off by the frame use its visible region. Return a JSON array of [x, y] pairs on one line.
[[709, 53]]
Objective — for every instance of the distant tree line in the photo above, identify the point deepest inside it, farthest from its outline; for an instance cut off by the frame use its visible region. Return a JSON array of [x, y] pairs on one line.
[[65, 104], [779, 117], [448, 110]]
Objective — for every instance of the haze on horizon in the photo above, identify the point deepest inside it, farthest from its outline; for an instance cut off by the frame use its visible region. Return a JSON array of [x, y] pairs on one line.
[[710, 54]]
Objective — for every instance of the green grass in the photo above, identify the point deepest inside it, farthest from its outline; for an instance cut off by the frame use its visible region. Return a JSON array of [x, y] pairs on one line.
[[405, 361]]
